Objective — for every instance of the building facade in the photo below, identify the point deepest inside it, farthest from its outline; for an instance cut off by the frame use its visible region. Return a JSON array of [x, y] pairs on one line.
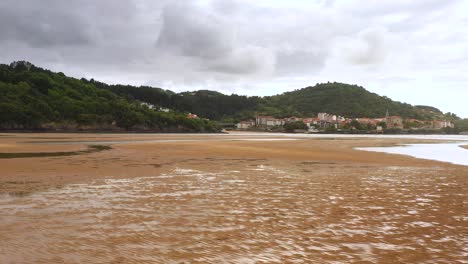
[[394, 122], [245, 124]]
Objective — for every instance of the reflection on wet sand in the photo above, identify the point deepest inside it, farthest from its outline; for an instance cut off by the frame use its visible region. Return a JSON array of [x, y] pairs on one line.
[[445, 152], [248, 211]]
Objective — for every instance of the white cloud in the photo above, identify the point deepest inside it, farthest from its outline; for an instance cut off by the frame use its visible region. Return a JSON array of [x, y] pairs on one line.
[[413, 51]]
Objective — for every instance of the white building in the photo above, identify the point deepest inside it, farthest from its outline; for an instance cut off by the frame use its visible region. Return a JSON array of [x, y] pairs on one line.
[[262, 120], [275, 122], [150, 106], [327, 117], [245, 124]]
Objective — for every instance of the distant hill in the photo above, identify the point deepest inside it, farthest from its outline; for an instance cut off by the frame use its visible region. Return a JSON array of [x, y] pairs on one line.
[[337, 98], [32, 97], [35, 98], [346, 100]]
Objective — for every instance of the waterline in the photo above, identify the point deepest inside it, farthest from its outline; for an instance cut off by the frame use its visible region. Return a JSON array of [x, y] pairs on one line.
[[445, 152]]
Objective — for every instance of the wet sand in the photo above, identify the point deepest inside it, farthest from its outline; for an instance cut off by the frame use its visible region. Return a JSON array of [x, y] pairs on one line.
[[220, 201]]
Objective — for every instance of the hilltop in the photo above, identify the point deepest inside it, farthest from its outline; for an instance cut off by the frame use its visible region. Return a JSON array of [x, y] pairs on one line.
[[346, 100]]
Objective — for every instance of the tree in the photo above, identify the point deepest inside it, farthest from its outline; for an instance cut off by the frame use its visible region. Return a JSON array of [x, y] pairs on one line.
[[298, 125], [31, 98], [356, 125], [382, 124]]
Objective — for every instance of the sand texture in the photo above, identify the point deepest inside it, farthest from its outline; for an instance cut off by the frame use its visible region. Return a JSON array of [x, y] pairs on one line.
[[218, 199]]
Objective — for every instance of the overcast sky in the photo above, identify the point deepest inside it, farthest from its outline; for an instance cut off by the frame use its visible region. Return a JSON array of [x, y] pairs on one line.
[[415, 51]]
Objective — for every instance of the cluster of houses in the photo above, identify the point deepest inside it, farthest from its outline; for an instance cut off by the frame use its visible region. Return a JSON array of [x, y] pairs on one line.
[[325, 121], [166, 110], [153, 107]]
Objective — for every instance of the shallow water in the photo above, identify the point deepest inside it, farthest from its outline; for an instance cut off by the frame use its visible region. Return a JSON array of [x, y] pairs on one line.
[[446, 152], [251, 137], [154, 141], [254, 214]]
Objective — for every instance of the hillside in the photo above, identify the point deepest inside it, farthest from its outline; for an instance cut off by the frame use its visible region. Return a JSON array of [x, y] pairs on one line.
[[346, 100], [34, 98], [337, 98]]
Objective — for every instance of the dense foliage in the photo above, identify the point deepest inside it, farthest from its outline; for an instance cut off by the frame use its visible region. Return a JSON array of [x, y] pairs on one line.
[[209, 104], [337, 98], [345, 100], [216, 105], [292, 126], [34, 98], [462, 125], [31, 97]]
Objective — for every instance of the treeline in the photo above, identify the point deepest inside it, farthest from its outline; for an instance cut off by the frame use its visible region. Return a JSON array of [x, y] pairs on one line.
[[209, 104], [346, 100], [462, 125], [35, 98], [337, 98], [32, 97]]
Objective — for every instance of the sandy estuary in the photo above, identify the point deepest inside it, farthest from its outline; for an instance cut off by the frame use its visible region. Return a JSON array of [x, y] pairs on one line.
[[241, 198]]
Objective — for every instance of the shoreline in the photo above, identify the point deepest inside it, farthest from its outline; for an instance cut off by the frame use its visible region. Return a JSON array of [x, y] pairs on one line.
[[202, 199], [138, 157], [122, 131]]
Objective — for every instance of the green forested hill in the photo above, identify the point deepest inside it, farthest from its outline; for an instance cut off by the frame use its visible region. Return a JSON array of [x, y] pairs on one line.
[[34, 98], [337, 98], [345, 100], [216, 105], [31, 97]]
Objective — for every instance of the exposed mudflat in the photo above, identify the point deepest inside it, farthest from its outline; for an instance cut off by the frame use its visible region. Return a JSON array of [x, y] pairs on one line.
[[223, 201]]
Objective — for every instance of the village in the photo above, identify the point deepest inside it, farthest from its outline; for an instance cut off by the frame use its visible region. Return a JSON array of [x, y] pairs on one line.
[[325, 122]]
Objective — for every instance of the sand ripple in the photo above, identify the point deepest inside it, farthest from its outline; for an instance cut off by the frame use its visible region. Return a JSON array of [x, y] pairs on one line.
[[254, 214]]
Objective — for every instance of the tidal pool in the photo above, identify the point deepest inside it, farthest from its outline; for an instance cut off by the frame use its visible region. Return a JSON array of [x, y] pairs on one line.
[[446, 152]]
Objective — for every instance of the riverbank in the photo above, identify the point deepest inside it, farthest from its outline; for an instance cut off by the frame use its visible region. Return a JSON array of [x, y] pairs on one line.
[[227, 198], [143, 154]]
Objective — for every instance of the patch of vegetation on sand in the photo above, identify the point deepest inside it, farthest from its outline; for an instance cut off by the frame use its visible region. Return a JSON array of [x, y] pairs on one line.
[[91, 149]]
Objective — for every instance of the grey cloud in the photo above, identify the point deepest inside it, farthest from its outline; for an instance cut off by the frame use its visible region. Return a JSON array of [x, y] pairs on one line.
[[57, 24], [236, 43], [188, 30], [37, 26], [300, 61], [211, 41], [383, 7], [244, 61], [227, 6], [368, 49]]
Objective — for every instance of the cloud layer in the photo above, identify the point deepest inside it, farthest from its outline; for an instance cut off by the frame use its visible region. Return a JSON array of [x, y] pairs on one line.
[[414, 51]]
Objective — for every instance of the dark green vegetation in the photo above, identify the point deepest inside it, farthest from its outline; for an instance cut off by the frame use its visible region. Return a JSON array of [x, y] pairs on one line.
[[462, 124], [91, 149], [337, 98], [34, 98], [345, 100], [292, 126], [208, 104]]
